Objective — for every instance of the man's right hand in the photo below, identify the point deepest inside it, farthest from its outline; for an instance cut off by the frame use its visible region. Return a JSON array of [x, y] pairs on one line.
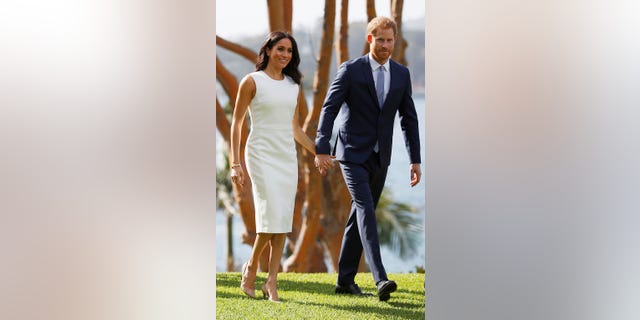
[[323, 162]]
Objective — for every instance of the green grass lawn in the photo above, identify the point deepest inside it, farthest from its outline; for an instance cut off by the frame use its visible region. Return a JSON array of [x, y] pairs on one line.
[[311, 296]]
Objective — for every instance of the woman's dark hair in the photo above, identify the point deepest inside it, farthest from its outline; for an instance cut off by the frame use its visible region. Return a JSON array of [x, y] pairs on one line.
[[292, 68]]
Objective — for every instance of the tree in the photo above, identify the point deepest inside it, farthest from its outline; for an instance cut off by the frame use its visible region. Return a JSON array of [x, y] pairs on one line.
[[276, 14], [322, 204], [306, 256], [342, 46], [401, 43], [243, 195], [398, 225], [223, 191], [371, 13]]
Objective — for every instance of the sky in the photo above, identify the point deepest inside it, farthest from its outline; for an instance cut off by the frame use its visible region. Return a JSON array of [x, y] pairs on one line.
[[238, 18]]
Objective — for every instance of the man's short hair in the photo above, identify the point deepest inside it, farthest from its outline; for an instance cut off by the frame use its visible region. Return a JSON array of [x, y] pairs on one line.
[[381, 23]]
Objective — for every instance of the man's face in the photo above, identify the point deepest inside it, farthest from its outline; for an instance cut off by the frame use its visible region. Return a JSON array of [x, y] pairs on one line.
[[381, 45]]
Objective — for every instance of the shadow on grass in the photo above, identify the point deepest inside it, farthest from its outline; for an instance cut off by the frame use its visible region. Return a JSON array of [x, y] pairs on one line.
[[382, 312], [233, 280], [307, 286], [324, 288], [405, 305]]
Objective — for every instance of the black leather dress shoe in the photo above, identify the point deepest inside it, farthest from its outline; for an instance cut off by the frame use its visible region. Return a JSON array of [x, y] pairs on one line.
[[385, 287], [351, 289]]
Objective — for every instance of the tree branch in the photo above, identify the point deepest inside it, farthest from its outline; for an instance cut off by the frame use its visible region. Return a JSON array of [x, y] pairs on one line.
[[236, 48]]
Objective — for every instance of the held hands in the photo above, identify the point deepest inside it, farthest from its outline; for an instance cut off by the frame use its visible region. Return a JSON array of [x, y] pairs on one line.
[[323, 162], [416, 173], [237, 174]]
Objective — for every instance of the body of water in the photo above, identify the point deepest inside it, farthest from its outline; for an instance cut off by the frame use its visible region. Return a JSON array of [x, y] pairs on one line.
[[397, 181]]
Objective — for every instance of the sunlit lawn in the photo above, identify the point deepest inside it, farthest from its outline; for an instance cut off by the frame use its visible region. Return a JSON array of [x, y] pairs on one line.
[[311, 296]]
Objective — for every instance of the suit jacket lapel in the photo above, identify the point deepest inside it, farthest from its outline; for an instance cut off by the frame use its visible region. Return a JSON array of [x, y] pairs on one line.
[[393, 72], [368, 76]]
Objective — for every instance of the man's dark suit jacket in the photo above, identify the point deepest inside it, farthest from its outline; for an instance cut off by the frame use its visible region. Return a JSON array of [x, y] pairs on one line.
[[364, 121]]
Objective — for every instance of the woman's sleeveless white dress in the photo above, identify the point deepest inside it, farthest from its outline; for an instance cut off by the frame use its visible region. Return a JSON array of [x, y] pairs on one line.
[[270, 154]]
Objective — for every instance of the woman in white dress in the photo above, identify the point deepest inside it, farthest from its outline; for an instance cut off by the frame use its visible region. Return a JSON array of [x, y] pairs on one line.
[[271, 94]]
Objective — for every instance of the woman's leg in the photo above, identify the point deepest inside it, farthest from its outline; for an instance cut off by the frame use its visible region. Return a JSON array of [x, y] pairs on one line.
[[277, 247], [262, 239], [250, 268]]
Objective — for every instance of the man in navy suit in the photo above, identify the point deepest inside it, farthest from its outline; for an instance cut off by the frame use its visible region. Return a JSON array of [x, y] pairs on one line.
[[368, 91]]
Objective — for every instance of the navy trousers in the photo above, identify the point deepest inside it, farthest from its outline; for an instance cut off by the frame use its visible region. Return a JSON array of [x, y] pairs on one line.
[[365, 183]]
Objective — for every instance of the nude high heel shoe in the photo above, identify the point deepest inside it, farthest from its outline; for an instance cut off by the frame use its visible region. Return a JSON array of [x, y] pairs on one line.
[[249, 291], [270, 293]]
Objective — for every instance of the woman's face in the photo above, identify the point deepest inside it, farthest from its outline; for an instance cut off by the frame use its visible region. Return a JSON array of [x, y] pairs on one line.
[[281, 53]]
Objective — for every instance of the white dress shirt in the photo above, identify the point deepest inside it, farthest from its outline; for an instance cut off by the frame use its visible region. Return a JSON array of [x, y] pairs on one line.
[[387, 75]]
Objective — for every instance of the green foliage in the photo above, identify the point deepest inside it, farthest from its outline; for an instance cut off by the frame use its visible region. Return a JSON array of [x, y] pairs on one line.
[[223, 180], [311, 296], [399, 225]]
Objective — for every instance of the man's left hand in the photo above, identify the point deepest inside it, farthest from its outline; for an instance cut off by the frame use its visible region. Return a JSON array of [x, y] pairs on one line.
[[416, 173]]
